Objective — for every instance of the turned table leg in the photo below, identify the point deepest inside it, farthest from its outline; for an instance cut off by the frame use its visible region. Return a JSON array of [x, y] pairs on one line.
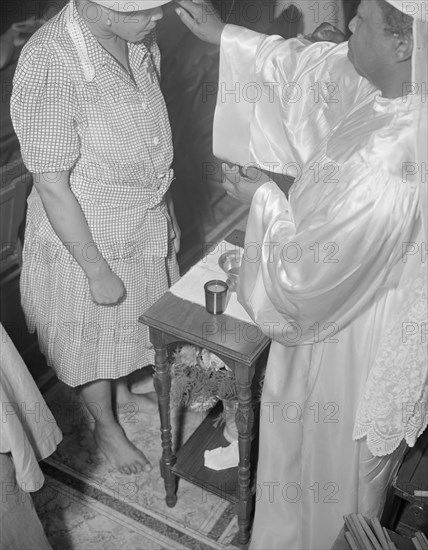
[[244, 422], [162, 383]]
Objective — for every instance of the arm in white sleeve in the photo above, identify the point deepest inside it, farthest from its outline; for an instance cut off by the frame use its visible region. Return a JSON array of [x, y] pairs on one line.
[[278, 98], [304, 279]]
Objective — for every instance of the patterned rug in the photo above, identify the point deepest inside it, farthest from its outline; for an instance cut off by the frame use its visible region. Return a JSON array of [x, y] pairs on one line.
[[84, 506]]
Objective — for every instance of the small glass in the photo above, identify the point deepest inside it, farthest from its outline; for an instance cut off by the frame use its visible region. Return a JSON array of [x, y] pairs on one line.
[[230, 262], [215, 296]]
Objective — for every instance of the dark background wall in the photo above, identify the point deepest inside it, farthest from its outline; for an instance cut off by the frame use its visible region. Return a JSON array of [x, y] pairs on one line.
[[19, 10]]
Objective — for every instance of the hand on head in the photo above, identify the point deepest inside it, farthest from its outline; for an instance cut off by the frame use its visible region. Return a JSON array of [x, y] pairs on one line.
[[326, 33], [202, 19]]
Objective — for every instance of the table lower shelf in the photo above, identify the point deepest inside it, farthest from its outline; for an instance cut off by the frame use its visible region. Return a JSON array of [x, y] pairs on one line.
[[190, 459]]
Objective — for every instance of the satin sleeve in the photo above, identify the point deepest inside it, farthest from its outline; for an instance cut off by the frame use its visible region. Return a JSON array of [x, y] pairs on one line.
[[269, 90], [304, 279]]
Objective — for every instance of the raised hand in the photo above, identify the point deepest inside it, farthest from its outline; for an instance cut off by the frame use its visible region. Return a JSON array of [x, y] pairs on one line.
[[202, 19], [326, 33]]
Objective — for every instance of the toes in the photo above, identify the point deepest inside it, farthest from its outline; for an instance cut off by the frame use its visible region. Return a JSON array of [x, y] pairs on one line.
[[143, 464], [134, 468], [147, 467]]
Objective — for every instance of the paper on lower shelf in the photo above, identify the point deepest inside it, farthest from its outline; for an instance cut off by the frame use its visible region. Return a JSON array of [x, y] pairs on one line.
[[222, 458]]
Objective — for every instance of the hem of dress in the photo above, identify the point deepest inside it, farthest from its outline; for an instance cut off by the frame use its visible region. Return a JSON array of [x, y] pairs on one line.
[[379, 446], [47, 170], [72, 383]]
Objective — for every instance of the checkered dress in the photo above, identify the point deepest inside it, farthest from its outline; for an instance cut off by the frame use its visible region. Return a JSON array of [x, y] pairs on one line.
[[74, 108]]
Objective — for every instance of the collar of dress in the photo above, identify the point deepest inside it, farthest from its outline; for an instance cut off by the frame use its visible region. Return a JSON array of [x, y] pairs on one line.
[[385, 104], [89, 50]]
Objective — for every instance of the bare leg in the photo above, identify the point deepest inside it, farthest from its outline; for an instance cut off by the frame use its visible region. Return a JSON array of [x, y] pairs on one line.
[[141, 381], [108, 434], [126, 400]]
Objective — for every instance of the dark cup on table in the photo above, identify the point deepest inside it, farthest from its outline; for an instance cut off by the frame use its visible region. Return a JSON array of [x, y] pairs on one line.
[[216, 296]]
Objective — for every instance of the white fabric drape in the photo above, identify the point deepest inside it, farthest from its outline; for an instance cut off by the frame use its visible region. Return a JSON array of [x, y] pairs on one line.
[[324, 276], [28, 429]]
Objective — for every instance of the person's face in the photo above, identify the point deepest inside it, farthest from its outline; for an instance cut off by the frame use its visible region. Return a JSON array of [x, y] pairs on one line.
[[134, 26], [370, 50]]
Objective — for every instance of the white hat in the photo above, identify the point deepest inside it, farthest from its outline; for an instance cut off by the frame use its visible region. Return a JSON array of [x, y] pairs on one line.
[[415, 8], [130, 5]]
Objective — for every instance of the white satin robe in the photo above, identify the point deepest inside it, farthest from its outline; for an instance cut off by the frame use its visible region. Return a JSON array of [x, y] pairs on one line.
[[319, 275]]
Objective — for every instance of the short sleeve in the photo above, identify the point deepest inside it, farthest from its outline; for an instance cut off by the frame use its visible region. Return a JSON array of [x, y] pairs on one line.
[[43, 106]]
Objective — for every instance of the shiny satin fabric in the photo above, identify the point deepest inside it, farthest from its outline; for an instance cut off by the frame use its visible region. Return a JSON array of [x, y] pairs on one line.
[[391, 410], [314, 383], [321, 276], [310, 471], [336, 245], [265, 109]]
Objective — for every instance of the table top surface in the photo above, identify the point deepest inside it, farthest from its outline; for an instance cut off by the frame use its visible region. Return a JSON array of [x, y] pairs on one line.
[[222, 334]]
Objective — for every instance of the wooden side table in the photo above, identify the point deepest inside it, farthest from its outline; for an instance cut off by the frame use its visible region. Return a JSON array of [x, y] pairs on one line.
[[239, 345]]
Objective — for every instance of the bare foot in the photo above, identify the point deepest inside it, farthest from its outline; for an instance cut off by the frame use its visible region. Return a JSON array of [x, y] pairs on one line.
[[119, 451]]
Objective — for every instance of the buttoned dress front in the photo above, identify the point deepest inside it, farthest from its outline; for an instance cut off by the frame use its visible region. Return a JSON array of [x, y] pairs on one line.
[[75, 108]]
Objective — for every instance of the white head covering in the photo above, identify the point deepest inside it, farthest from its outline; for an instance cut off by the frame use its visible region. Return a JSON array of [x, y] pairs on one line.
[[395, 401], [130, 5]]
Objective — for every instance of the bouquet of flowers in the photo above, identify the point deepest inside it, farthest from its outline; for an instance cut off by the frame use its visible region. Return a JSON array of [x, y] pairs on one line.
[[200, 378]]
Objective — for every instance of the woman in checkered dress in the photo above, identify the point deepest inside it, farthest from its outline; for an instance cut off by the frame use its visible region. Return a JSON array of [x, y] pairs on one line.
[[100, 238]]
